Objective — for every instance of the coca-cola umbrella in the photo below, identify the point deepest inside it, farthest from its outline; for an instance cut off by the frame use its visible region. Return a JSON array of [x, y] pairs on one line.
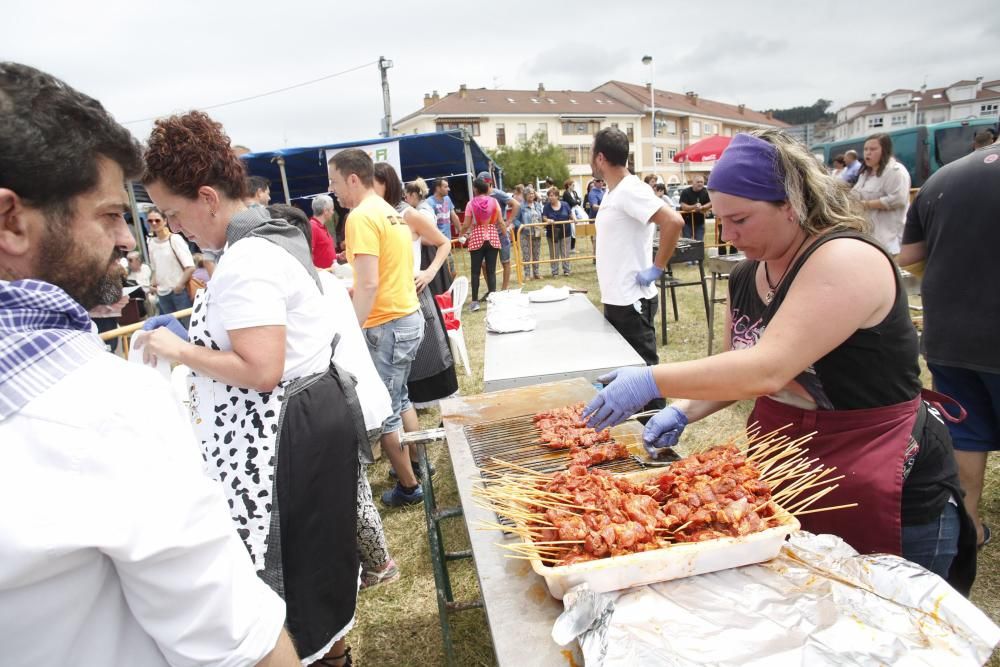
[[706, 150]]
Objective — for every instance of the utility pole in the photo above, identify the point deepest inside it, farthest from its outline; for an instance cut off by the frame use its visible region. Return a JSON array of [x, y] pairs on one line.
[[383, 67]]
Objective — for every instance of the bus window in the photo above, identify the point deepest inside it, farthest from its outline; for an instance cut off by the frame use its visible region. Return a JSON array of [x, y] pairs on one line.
[[951, 143]]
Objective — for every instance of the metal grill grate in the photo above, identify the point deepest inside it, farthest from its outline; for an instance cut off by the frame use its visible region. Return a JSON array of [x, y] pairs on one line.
[[515, 440]]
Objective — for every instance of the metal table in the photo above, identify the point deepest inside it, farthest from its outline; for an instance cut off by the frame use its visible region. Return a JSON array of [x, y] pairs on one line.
[[519, 609], [718, 267], [571, 339], [687, 250]]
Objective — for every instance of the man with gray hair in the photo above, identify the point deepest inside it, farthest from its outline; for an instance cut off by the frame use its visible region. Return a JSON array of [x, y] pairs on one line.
[[324, 252], [852, 167]]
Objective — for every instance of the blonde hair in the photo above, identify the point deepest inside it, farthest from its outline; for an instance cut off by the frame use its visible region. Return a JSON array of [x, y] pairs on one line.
[[418, 186], [822, 203]]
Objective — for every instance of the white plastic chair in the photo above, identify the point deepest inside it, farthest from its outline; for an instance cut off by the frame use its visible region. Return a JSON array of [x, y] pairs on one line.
[[459, 291]]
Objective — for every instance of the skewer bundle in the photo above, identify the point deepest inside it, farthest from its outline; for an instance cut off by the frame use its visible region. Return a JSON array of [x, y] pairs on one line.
[[743, 486]]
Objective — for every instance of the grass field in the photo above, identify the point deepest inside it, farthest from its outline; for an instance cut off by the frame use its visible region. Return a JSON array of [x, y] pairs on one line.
[[397, 624]]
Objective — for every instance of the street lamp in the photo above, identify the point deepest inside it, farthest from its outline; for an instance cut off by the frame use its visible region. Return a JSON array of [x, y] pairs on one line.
[[648, 60]]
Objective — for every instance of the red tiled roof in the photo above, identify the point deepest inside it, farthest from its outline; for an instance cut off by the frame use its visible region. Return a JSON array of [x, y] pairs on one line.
[[682, 103], [966, 82], [482, 101]]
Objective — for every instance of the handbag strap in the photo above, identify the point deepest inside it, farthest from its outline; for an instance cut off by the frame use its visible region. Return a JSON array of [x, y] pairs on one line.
[[170, 242]]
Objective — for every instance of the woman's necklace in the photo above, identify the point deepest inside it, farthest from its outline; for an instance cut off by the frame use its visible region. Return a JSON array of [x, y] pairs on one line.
[[769, 297]]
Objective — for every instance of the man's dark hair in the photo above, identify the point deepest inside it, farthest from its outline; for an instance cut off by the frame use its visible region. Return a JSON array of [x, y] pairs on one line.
[[354, 161], [984, 138], [293, 216], [660, 187], [257, 183], [51, 137], [438, 182], [613, 144], [480, 187]]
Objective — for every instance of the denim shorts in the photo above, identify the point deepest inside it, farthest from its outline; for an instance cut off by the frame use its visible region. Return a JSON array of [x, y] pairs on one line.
[[393, 347], [979, 394], [504, 248]]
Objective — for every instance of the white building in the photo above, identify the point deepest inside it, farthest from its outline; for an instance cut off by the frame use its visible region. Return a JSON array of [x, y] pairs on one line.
[[566, 118], [906, 108], [570, 118]]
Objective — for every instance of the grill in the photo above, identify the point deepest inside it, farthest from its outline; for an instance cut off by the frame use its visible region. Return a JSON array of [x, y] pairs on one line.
[[515, 440]]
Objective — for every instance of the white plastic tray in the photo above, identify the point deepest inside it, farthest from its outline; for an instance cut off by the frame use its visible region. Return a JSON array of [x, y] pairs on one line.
[[673, 562]]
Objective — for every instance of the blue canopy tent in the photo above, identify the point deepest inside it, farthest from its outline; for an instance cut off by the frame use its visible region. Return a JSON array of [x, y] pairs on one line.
[[303, 171]]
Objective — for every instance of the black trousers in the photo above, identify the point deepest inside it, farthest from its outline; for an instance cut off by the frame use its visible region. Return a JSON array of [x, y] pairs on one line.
[[486, 253], [639, 329]]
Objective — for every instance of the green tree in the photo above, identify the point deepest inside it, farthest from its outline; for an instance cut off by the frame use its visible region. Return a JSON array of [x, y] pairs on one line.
[[810, 114], [531, 160]]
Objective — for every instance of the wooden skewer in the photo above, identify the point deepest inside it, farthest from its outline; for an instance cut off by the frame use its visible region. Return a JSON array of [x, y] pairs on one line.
[[799, 506], [827, 509], [540, 558]]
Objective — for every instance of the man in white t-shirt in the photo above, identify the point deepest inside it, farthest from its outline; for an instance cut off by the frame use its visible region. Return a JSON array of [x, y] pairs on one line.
[[115, 548], [626, 269]]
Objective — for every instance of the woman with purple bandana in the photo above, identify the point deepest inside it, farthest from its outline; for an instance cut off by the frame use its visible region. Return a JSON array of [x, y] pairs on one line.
[[820, 337]]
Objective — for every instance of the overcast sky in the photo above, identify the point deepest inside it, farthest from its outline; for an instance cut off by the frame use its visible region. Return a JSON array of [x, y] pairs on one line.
[[144, 59]]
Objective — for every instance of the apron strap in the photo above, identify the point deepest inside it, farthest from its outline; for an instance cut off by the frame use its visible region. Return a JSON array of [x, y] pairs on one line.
[[937, 400]]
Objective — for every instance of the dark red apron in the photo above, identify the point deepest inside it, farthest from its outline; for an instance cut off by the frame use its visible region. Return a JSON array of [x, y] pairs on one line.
[[868, 447]]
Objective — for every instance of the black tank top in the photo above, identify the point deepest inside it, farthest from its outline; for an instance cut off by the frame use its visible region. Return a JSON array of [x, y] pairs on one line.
[[873, 368]]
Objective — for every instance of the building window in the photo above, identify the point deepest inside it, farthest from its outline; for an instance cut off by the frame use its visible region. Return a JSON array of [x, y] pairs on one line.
[[501, 135], [522, 132], [614, 125], [543, 130], [572, 154], [579, 128], [876, 121], [696, 128], [988, 109], [658, 155], [630, 131], [471, 128], [898, 119], [921, 117], [631, 162], [709, 129], [728, 132], [671, 152], [671, 126]]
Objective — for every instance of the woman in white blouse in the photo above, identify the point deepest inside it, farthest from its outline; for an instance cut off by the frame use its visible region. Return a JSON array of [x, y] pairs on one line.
[[884, 190]]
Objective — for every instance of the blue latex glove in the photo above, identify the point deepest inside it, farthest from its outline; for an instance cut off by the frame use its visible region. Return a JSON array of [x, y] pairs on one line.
[[166, 321], [648, 275], [663, 430], [626, 391]]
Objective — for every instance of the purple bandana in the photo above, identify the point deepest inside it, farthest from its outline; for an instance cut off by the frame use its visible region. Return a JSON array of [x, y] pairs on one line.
[[749, 168]]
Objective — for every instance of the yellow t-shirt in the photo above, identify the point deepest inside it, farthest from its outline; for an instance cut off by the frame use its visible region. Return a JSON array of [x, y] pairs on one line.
[[375, 228]]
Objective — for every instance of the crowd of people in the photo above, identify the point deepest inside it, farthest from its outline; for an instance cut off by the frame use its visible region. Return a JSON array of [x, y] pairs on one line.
[[226, 531]]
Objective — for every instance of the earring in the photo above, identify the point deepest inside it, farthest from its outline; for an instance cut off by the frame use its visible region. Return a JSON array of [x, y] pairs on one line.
[[212, 212]]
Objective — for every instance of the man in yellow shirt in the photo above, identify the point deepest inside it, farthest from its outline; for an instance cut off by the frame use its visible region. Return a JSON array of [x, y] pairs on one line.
[[380, 250]]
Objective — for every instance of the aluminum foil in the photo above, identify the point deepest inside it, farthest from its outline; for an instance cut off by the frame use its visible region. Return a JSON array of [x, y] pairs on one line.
[[817, 603]]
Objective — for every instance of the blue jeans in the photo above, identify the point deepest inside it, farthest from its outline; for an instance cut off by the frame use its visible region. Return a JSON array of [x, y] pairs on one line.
[[172, 302], [393, 347], [698, 233], [935, 544]]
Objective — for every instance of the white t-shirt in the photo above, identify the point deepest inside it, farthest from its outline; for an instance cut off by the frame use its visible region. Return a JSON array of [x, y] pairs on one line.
[[256, 283], [164, 260], [352, 353], [115, 548], [625, 241]]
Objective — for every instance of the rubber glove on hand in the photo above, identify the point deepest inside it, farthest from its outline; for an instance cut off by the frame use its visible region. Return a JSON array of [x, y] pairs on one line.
[[663, 430], [168, 322], [627, 390], [648, 275]]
